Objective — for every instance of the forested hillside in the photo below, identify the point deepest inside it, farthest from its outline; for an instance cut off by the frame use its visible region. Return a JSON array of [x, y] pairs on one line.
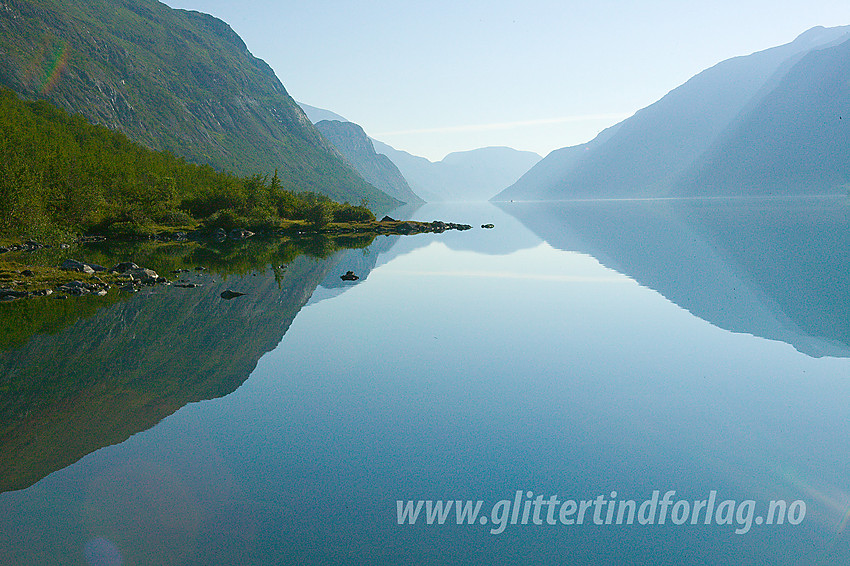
[[60, 175]]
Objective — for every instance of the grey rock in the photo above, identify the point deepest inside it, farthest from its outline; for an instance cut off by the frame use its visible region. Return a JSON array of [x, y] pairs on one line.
[[146, 276], [74, 265], [124, 267]]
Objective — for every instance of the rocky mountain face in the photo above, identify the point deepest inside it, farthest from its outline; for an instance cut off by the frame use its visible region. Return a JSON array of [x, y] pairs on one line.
[[656, 151], [173, 80], [353, 143]]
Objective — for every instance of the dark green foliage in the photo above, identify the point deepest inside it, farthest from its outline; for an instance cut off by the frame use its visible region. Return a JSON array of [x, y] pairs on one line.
[[61, 175], [319, 214], [353, 214]]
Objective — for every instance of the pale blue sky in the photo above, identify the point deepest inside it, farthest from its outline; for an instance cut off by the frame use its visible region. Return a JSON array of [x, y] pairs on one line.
[[432, 77]]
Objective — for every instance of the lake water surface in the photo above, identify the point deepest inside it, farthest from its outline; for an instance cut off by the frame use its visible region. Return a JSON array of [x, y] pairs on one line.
[[584, 351]]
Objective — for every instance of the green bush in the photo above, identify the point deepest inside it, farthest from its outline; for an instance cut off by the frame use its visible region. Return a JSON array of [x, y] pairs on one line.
[[319, 214], [348, 213]]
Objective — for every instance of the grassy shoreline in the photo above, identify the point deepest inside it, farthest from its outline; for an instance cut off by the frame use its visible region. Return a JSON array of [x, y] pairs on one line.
[[22, 270]]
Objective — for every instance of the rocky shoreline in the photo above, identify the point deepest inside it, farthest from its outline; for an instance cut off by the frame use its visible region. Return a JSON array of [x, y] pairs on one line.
[[78, 278]]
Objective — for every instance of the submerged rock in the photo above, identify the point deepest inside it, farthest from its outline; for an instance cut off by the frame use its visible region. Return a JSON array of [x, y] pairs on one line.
[[230, 294]]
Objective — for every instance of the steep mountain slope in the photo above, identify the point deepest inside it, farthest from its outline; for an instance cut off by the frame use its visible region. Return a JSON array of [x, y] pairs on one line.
[[173, 80], [649, 152], [795, 140], [550, 170], [353, 143]]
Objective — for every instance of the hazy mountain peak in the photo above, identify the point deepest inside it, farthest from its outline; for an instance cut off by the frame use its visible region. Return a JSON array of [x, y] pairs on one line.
[[472, 175], [820, 35], [649, 153]]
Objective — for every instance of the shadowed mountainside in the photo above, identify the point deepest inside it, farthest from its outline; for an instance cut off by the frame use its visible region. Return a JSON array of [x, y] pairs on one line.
[[796, 140]]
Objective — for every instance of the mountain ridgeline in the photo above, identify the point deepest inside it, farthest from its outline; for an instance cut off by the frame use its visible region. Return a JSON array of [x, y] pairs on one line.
[[353, 143], [173, 80], [774, 122]]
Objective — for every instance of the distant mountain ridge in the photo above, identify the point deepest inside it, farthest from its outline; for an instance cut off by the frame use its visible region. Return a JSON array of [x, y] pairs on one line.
[[353, 143], [465, 176], [462, 176], [655, 151], [318, 114], [173, 80]]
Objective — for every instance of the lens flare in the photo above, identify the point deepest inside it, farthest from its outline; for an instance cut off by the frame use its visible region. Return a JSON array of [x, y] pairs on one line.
[[46, 67], [56, 63]]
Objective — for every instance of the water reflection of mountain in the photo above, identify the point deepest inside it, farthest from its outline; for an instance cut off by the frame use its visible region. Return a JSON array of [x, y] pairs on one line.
[[100, 380], [482, 241], [775, 268]]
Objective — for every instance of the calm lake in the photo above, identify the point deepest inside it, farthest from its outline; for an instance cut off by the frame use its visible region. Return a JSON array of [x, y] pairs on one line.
[[568, 369]]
